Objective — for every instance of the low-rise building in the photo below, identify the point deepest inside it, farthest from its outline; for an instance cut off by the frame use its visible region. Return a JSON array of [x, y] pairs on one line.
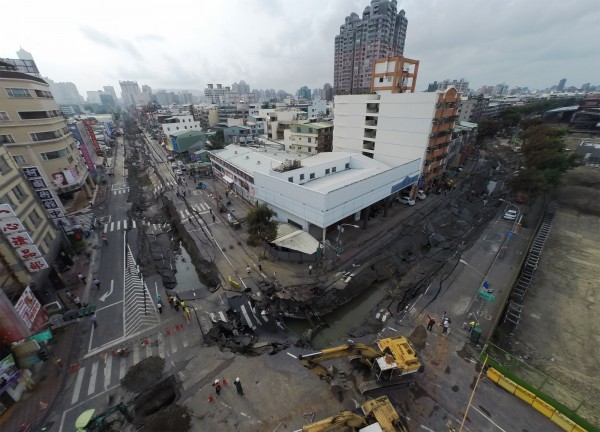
[[311, 137], [184, 142], [178, 123], [313, 193]]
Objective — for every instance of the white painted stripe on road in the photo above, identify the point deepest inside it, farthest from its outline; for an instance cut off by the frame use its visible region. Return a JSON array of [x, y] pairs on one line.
[[118, 225], [93, 376], [77, 388], [122, 368], [105, 227], [247, 317], [161, 345], [184, 341], [133, 222], [112, 226], [107, 370], [125, 224], [222, 316], [187, 212], [154, 226], [182, 214], [487, 418], [173, 345]]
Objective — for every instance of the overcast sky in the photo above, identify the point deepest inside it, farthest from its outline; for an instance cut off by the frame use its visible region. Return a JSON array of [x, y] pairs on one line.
[[284, 44]]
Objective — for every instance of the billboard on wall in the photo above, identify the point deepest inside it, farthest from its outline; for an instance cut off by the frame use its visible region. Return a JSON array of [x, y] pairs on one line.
[[86, 151], [31, 312], [12, 328], [66, 177]]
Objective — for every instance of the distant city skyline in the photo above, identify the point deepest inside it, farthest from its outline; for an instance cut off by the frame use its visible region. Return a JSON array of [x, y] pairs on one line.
[[287, 45]]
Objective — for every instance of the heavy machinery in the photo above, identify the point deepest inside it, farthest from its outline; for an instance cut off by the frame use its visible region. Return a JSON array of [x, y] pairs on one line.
[[87, 421], [378, 415], [394, 361]]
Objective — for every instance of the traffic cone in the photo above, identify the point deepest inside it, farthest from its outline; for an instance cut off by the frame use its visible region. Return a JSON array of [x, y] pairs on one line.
[[211, 398], [224, 381]]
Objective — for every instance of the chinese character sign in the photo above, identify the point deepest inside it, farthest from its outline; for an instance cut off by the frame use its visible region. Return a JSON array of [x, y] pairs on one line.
[[28, 252], [38, 183], [8, 226], [6, 211], [50, 204], [44, 194], [31, 172], [36, 264], [27, 307], [19, 239]]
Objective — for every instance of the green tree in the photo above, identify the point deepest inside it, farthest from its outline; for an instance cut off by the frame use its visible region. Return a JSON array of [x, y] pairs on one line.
[[510, 118], [261, 228], [487, 128], [266, 105], [217, 141]]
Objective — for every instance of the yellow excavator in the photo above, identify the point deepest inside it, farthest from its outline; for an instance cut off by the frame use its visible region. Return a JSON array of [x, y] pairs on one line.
[[394, 361], [378, 415]]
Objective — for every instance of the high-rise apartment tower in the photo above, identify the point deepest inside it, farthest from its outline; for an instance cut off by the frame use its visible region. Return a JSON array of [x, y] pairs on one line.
[[380, 33]]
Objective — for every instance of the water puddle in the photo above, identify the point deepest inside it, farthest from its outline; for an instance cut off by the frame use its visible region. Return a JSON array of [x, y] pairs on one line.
[[344, 319], [187, 277]]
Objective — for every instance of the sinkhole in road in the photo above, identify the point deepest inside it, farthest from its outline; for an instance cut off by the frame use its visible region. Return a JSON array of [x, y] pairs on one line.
[[186, 274], [345, 318]]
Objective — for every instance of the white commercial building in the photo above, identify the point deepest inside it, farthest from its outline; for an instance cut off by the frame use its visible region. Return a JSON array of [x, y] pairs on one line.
[[180, 123], [311, 193]]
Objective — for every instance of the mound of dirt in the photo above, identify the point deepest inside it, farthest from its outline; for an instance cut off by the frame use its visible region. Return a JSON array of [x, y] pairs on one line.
[[172, 418], [144, 374]]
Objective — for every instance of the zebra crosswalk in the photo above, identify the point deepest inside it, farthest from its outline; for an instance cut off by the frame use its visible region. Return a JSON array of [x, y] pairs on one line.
[[249, 314], [100, 372], [139, 312], [119, 188], [120, 191], [196, 209], [124, 224]]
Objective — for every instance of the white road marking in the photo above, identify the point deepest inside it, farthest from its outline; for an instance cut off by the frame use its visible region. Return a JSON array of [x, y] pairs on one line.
[[112, 226], [136, 354], [78, 383], [107, 370], [122, 368], [161, 345], [118, 225], [125, 224], [93, 376], [487, 418], [105, 228], [292, 355], [133, 222]]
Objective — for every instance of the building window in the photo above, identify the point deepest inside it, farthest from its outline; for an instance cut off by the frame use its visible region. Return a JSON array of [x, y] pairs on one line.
[[4, 116], [6, 199], [44, 94], [4, 166], [4, 139], [327, 171], [35, 115], [381, 79], [18, 92], [54, 154], [18, 191], [291, 179], [70, 159], [347, 166], [19, 159], [34, 217], [309, 139], [45, 136], [301, 176], [312, 175], [334, 169]]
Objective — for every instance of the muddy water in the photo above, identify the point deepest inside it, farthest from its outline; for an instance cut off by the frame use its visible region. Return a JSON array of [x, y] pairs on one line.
[[187, 277], [344, 319]]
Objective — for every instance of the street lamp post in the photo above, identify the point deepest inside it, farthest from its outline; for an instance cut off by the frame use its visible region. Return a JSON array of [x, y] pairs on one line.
[[340, 229]]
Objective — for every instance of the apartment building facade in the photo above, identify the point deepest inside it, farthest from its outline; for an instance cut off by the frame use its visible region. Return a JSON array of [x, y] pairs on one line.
[[381, 32], [395, 128], [394, 75], [312, 138], [35, 134]]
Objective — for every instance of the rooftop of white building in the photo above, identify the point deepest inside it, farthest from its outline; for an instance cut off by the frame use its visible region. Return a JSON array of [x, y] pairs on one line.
[[265, 161]]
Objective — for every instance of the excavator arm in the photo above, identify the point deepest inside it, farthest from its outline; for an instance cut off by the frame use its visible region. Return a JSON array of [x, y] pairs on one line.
[[365, 353], [345, 418]]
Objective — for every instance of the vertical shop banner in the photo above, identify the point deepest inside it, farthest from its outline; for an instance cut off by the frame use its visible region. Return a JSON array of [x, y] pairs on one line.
[[6, 211], [11, 225], [19, 239], [28, 308]]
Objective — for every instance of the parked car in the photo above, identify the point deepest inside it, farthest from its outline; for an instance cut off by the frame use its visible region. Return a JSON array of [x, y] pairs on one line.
[[170, 158], [510, 215], [406, 200], [421, 195], [178, 172], [174, 165]]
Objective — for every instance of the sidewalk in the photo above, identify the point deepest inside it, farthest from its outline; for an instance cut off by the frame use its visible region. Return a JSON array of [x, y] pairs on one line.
[[37, 402]]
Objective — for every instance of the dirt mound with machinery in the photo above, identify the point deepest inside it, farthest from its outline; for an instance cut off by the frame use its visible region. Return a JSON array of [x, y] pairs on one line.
[[144, 374]]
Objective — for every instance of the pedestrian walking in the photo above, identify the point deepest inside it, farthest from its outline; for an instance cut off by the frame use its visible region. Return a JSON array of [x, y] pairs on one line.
[[446, 325], [176, 304], [77, 301], [159, 306], [431, 323], [310, 269], [93, 320], [210, 211], [274, 275], [69, 295], [82, 278], [186, 314], [96, 282], [259, 264], [214, 219], [238, 386], [182, 304], [217, 386], [248, 270], [170, 299]]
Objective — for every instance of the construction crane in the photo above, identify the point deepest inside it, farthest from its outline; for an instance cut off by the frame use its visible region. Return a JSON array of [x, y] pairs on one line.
[[394, 361], [378, 415]]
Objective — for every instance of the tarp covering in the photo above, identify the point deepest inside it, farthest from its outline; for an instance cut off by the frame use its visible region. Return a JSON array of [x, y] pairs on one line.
[[227, 179], [290, 237]]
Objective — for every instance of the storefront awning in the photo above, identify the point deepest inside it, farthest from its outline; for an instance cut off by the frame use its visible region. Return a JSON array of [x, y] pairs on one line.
[[228, 179], [290, 237]]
